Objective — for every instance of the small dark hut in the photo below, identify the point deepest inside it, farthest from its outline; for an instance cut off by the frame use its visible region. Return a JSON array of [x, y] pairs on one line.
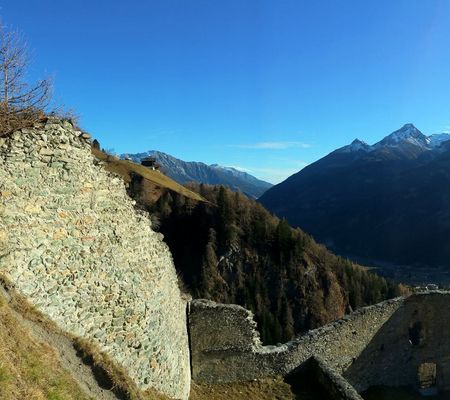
[[150, 162]]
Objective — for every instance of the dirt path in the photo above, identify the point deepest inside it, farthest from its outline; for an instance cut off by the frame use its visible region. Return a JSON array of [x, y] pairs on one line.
[[82, 373]]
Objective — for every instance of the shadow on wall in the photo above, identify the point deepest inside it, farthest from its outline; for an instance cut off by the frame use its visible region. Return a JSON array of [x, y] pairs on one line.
[[225, 345], [314, 380], [400, 342], [411, 349]]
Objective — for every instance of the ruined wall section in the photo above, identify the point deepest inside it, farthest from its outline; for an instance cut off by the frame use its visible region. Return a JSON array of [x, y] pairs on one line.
[[334, 385], [73, 244], [337, 344], [385, 344], [417, 333]]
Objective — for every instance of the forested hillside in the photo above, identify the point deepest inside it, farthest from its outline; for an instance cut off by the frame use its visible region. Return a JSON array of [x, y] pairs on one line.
[[387, 203], [232, 250]]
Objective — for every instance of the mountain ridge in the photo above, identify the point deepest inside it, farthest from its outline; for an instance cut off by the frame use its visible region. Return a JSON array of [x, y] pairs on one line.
[[387, 204], [408, 133], [197, 171]]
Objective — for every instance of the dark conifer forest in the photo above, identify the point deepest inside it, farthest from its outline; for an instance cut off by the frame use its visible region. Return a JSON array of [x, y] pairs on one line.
[[232, 250]]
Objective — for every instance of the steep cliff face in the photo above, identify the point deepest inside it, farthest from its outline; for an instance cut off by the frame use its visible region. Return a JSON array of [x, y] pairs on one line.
[[73, 244]]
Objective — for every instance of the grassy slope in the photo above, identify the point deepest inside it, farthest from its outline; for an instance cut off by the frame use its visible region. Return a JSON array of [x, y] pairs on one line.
[[126, 168], [30, 369]]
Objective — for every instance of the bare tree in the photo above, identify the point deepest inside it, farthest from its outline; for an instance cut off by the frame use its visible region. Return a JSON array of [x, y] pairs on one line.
[[20, 102]]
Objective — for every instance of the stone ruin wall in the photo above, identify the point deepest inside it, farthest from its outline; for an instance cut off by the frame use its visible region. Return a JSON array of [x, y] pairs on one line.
[[332, 384], [384, 344], [417, 333], [232, 357], [72, 243]]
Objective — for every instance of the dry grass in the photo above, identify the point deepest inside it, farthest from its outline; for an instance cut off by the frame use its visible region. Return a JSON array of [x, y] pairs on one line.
[[126, 168], [262, 389], [19, 304], [101, 363], [114, 374], [30, 369], [12, 122]]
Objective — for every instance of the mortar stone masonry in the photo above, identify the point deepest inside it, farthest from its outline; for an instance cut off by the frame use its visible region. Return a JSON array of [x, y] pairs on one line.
[[337, 344], [332, 383], [390, 343], [72, 242], [416, 334]]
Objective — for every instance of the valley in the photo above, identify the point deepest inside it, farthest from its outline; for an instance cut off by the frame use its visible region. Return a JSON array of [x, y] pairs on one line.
[[410, 275], [272, 226], [385, 202]]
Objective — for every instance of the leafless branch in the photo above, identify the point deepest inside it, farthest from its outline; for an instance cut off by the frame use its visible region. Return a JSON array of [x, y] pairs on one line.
[[20, 102]]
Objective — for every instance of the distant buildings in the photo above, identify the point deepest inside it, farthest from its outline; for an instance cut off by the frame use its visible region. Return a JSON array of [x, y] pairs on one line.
[[428, 287], [151, 163]]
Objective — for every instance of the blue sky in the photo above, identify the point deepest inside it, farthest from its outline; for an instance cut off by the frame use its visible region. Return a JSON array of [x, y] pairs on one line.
[[267, 86]]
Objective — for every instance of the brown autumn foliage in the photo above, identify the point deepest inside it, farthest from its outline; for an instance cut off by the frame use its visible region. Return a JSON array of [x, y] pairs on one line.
[[230, 249]]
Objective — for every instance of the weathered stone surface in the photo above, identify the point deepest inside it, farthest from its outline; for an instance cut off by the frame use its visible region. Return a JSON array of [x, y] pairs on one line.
[[416, 333], [399, 342], [386, 344], [236, 330], [215, 360], [426, 375], [73, 244], [332, 383]]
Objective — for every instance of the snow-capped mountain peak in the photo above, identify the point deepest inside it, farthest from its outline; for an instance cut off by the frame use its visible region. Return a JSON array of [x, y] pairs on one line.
[[437, 139], [408, 133], [231, 170], [359, 144], [355, 146]]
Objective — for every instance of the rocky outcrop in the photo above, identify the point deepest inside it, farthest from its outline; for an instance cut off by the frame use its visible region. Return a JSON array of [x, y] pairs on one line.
[[73, 244]]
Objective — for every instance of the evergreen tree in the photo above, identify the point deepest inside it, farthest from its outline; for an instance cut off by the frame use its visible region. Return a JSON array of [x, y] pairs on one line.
[[286, 320], [291, 283], [225, 227], [209, 266]]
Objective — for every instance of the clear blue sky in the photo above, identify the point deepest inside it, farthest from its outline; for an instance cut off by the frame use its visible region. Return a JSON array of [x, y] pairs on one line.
[[264, 85]]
